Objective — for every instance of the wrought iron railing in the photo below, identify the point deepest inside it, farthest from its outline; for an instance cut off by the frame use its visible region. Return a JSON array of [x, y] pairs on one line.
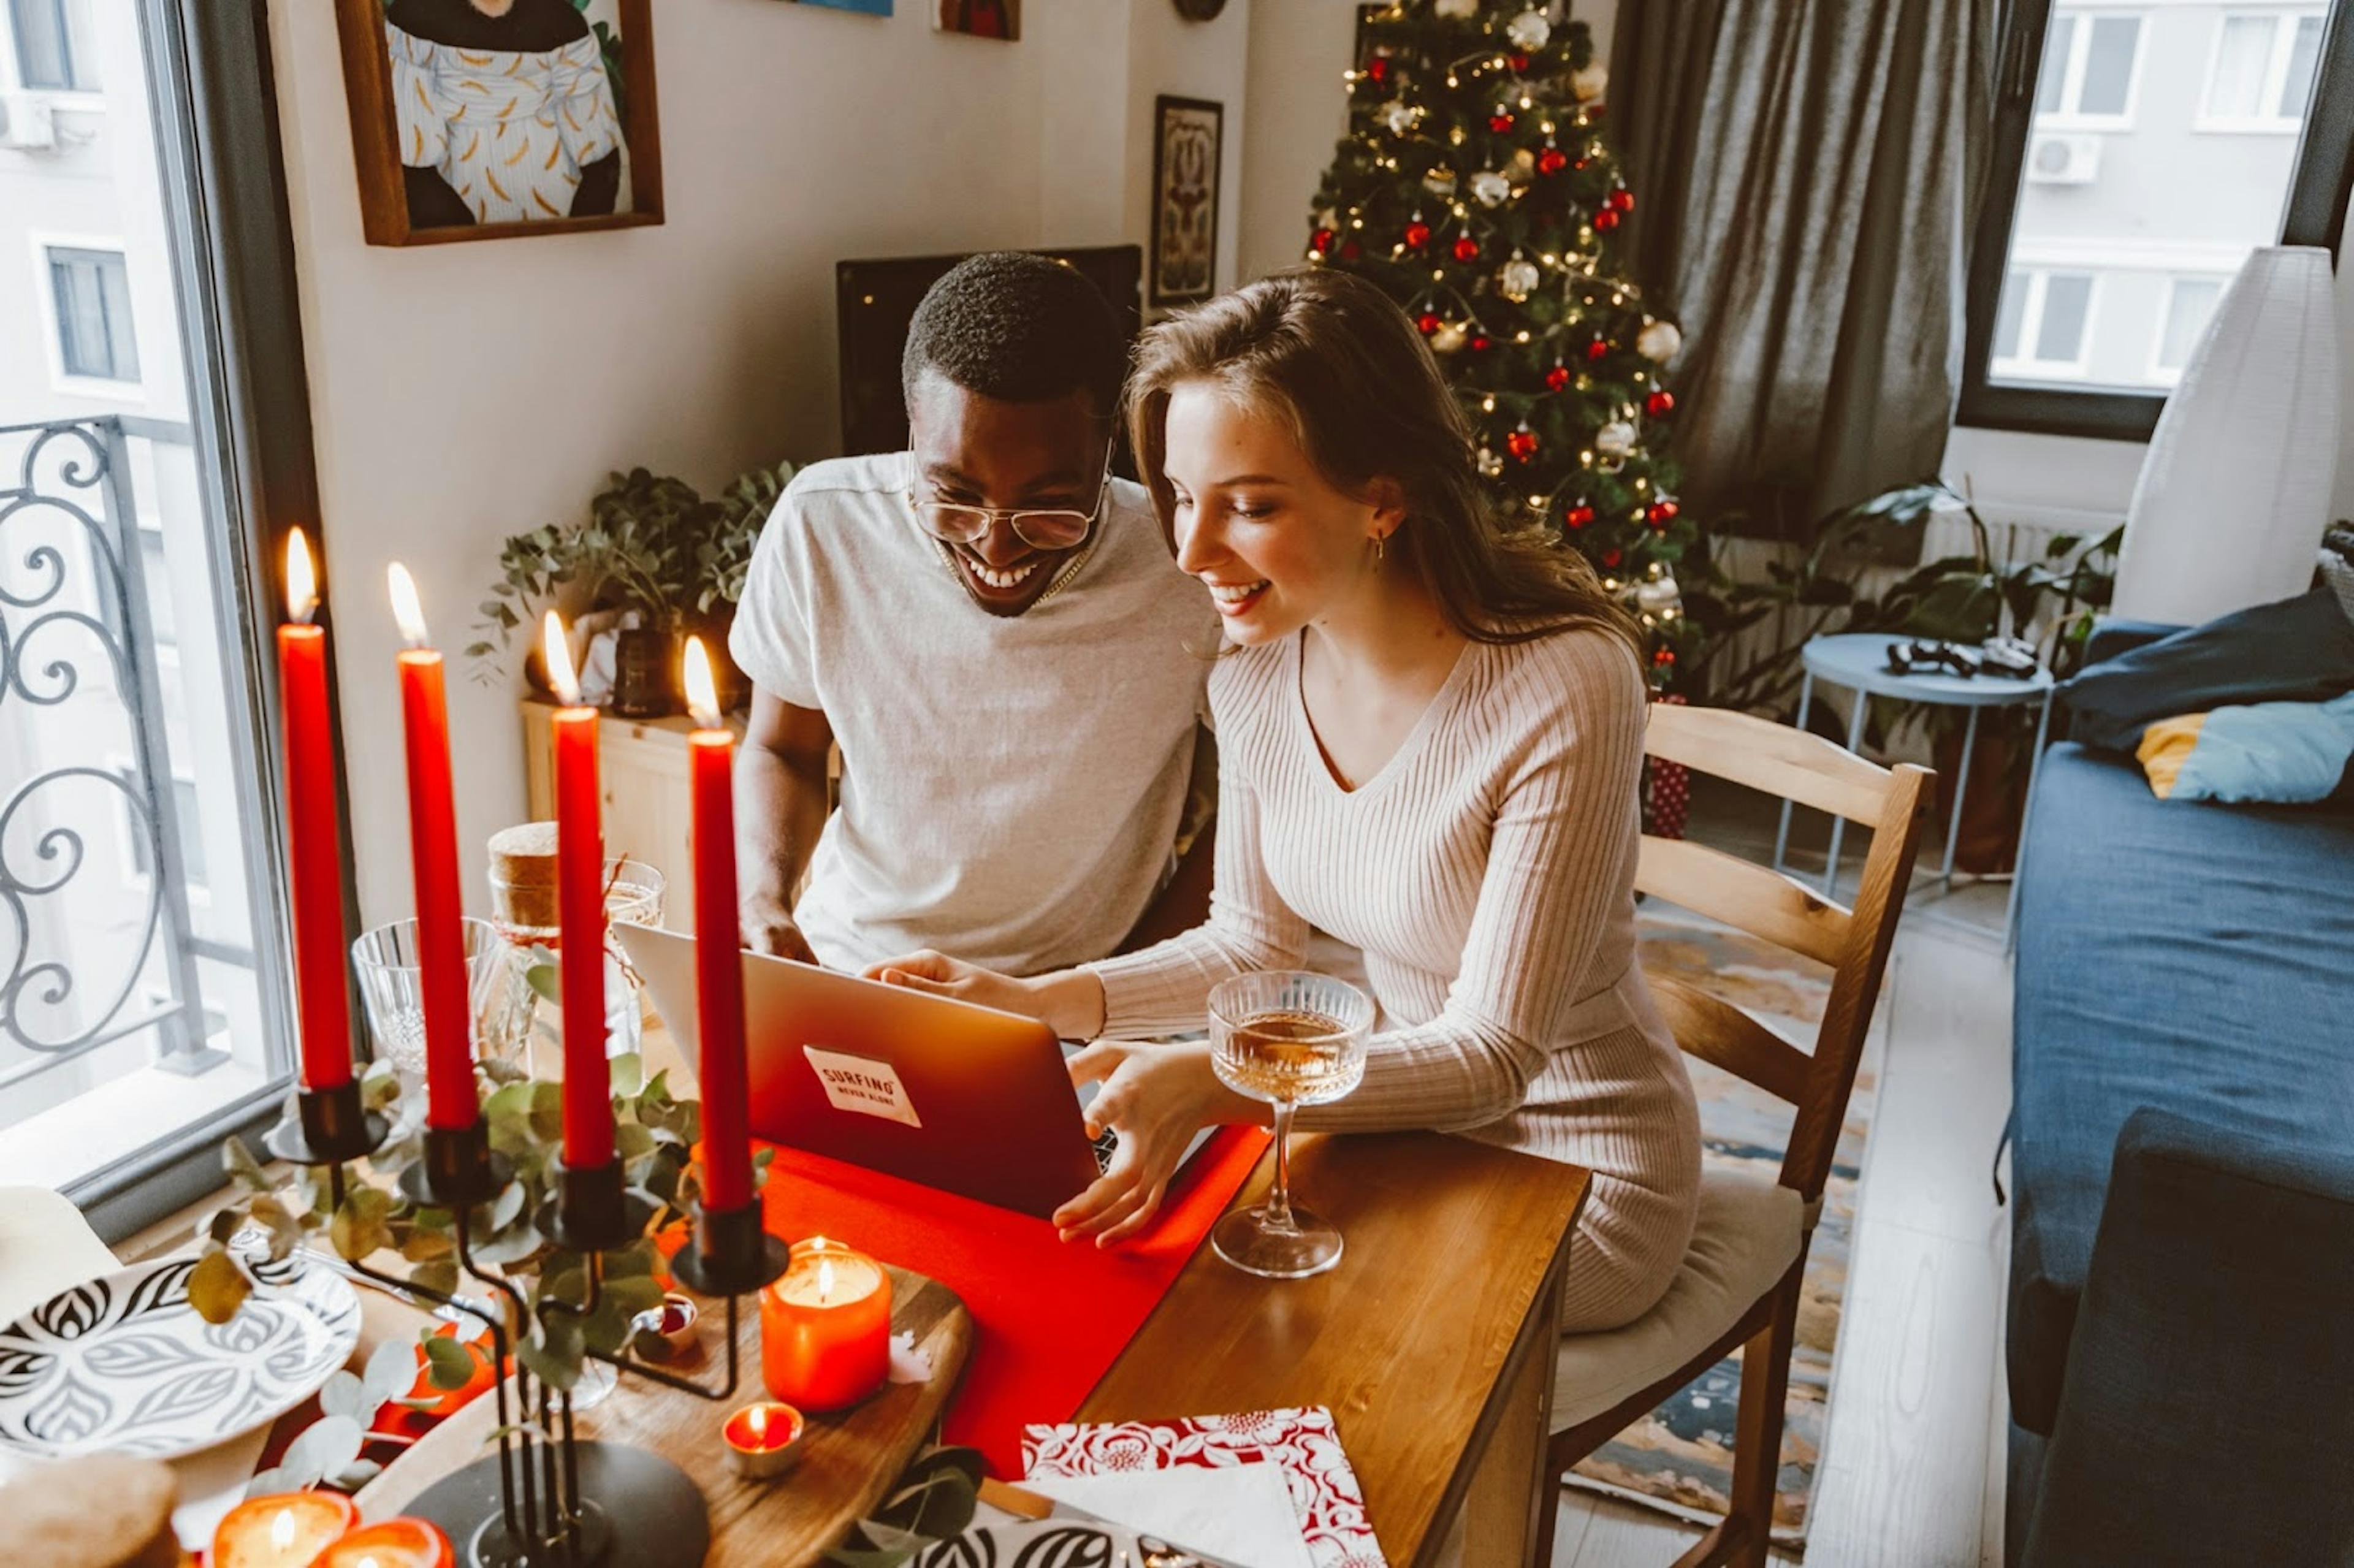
[[58, 637]]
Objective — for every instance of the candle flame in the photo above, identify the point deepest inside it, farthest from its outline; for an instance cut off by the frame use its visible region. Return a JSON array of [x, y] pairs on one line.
[[558, 655], [824, 1279], [702, 693], [301, 582], [406, 609], [760, 1425], [282, 1531]]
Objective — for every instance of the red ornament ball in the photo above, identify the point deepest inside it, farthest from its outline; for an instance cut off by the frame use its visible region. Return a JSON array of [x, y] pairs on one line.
[[1417, 235], [1607, 219], [1579, 516], [1623, 199], [1377, 70], [1428, 321], [1500, 122], [1664, 657], [1482, 343], [1611, 556], [1322, 241], [1660, 514], [1660, 404], [1521, 64], [1350, 251], [1551, 160], [1521, 443], [1597, 348], [1466, 248], [1558, 378]]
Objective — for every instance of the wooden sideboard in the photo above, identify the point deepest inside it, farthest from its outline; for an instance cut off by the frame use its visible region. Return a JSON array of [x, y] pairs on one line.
[[643, 766]]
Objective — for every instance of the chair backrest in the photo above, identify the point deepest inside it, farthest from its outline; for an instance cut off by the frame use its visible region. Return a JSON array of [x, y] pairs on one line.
[[1812, 771]]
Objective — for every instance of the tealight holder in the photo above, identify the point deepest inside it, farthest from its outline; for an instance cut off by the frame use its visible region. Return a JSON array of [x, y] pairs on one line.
[[546, 1498], [667, 1332], [763, 1440]]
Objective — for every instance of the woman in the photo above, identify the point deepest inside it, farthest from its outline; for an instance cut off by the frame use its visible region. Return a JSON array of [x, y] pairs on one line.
[[1431, 730]]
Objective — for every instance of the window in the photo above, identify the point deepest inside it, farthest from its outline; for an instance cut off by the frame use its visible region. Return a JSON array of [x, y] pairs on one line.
[[46, 53], [162, 1019], [2188, 303], [92, 289], [2046, 325], [2116, 214], [2088, 68], [2261, 77]]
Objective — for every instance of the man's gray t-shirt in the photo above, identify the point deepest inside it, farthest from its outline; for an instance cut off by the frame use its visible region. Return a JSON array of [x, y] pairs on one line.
[[1011, 786]]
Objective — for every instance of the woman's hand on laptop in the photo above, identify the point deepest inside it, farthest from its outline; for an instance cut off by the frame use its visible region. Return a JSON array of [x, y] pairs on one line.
[[1069, 1003], [1156, 1097]]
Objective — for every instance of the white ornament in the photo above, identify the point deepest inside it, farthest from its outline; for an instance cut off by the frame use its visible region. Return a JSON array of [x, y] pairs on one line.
[[1491, 465], [1460, 10], [1591, 83], [1490, 188], [1658, 342], [1446, 339], [1517, 279], [1399, 116], [1660, 593], [1615, 439], [1440, 182], [1529, 30]]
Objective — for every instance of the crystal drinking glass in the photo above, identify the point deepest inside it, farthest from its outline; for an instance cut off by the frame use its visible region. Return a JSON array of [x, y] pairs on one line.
[[1291, 1039], [392, 987]]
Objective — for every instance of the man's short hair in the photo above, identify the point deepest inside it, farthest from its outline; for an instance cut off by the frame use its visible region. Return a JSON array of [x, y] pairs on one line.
[[1020, 328]]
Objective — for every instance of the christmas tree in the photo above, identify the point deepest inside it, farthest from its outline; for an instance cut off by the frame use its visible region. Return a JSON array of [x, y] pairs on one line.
[[1474, 189]]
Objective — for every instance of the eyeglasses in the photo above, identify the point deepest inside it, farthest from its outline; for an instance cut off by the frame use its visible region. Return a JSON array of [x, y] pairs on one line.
[[1048, 528]]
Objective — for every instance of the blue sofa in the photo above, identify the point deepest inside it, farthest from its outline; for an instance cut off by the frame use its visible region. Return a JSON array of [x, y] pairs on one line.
[[2180, 1332]]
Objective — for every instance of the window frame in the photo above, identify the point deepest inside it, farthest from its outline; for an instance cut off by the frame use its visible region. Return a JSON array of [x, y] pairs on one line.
[[2039, 275], [2079, 53], [213, 102], [2159, 371], [2283, 18], [2313, 214], [77, 82], [59, 257]]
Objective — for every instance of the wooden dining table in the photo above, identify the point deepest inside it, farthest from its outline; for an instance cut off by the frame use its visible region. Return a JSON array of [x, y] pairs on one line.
[[1432, 1341]]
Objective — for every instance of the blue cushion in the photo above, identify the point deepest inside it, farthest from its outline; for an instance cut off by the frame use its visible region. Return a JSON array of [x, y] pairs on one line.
[[2298, 651], [2191, 957], [2205, 1423]]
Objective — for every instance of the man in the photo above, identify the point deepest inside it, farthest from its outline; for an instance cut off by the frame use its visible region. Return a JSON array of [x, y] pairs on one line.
[[991, 629]]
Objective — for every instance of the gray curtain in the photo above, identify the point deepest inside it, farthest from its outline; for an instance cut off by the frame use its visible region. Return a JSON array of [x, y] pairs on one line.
[[1808, 177]]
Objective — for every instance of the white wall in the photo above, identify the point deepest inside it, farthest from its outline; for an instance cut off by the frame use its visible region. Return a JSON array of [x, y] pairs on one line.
[[1300, 109], [463, 392]]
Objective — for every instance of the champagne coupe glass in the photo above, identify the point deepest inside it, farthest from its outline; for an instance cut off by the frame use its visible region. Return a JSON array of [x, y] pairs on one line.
[[1292, 1039]]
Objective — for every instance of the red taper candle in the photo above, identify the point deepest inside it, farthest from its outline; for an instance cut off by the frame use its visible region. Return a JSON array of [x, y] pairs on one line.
[[312, 847], [450, 1100], [718, 963], [581, 915]]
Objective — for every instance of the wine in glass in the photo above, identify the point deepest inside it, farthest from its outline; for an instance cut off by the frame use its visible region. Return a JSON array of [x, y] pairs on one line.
[[1292, 1039]]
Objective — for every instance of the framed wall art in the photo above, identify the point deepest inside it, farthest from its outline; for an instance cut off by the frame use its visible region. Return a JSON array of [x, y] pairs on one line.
[[498, 119], [1187, 141]]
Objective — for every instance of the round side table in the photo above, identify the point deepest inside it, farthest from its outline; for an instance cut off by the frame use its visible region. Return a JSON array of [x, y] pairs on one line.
[[1858, 661]]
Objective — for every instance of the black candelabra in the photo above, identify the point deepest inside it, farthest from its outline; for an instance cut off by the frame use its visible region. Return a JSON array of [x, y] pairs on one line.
[[547, 1500]]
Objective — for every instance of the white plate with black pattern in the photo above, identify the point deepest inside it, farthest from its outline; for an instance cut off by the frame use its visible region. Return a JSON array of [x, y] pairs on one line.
[[123, 1364]]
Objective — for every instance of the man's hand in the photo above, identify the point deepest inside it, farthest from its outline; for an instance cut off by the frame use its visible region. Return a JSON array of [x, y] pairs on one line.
[[768, 929]]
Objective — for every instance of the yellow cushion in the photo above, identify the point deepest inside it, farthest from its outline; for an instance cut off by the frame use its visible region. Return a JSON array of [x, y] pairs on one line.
[[1747, 1236], [2165, 747]]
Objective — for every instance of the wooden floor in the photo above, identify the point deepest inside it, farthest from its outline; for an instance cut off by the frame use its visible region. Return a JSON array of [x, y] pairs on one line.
[[1912, 1473]]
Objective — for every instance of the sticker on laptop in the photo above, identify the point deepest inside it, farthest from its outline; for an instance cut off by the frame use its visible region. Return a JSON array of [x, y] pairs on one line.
[[863, 1084]]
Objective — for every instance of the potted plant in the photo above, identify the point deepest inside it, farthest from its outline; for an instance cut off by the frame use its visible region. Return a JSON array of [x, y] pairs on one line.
[[652, 547]]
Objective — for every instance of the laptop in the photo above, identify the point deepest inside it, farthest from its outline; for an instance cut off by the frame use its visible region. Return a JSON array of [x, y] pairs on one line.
[[961, 1097]]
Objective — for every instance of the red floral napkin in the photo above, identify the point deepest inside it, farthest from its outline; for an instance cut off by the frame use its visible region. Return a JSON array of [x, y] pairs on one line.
[[1324, 1490]]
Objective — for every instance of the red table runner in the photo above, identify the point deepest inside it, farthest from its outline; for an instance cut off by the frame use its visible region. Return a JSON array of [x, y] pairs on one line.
[[1049, 1317]]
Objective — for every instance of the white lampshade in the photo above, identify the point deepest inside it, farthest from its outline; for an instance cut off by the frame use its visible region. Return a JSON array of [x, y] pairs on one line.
[[2234, 494]]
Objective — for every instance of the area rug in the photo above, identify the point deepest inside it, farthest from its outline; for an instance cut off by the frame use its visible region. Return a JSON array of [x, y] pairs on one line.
[[1679, 1458]]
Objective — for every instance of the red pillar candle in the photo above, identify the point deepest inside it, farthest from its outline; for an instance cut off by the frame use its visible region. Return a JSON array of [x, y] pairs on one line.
[[825, 1327], [718, 964], [284, 1531], [313, 850], [580, 914], [449, 1098]]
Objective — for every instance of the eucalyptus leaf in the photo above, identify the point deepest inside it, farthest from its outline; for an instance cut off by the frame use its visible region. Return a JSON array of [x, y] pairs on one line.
[[546, 1365], [345, 1394], [391, 1371], [448, 1365], [218, 1287], [356, 1475], [242, 1168], [629, 1071], [324, 1448]]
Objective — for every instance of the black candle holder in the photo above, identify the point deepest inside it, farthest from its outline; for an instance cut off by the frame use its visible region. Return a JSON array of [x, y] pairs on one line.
[[547, 1499]]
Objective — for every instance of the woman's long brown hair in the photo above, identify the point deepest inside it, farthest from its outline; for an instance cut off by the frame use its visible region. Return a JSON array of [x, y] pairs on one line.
[[1334, 356]]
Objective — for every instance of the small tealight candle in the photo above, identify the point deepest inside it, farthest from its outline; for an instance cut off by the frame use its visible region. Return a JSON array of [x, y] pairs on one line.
[[395, 1543], [669, 1327], [825, 1327], [286, 1531], [763, 1440]]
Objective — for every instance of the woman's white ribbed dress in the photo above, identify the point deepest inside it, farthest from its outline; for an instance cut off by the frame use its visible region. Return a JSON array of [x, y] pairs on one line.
[[1487, 872]]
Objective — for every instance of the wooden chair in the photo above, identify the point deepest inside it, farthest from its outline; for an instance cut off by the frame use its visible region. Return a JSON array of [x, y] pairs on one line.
[[1740, 1279]]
